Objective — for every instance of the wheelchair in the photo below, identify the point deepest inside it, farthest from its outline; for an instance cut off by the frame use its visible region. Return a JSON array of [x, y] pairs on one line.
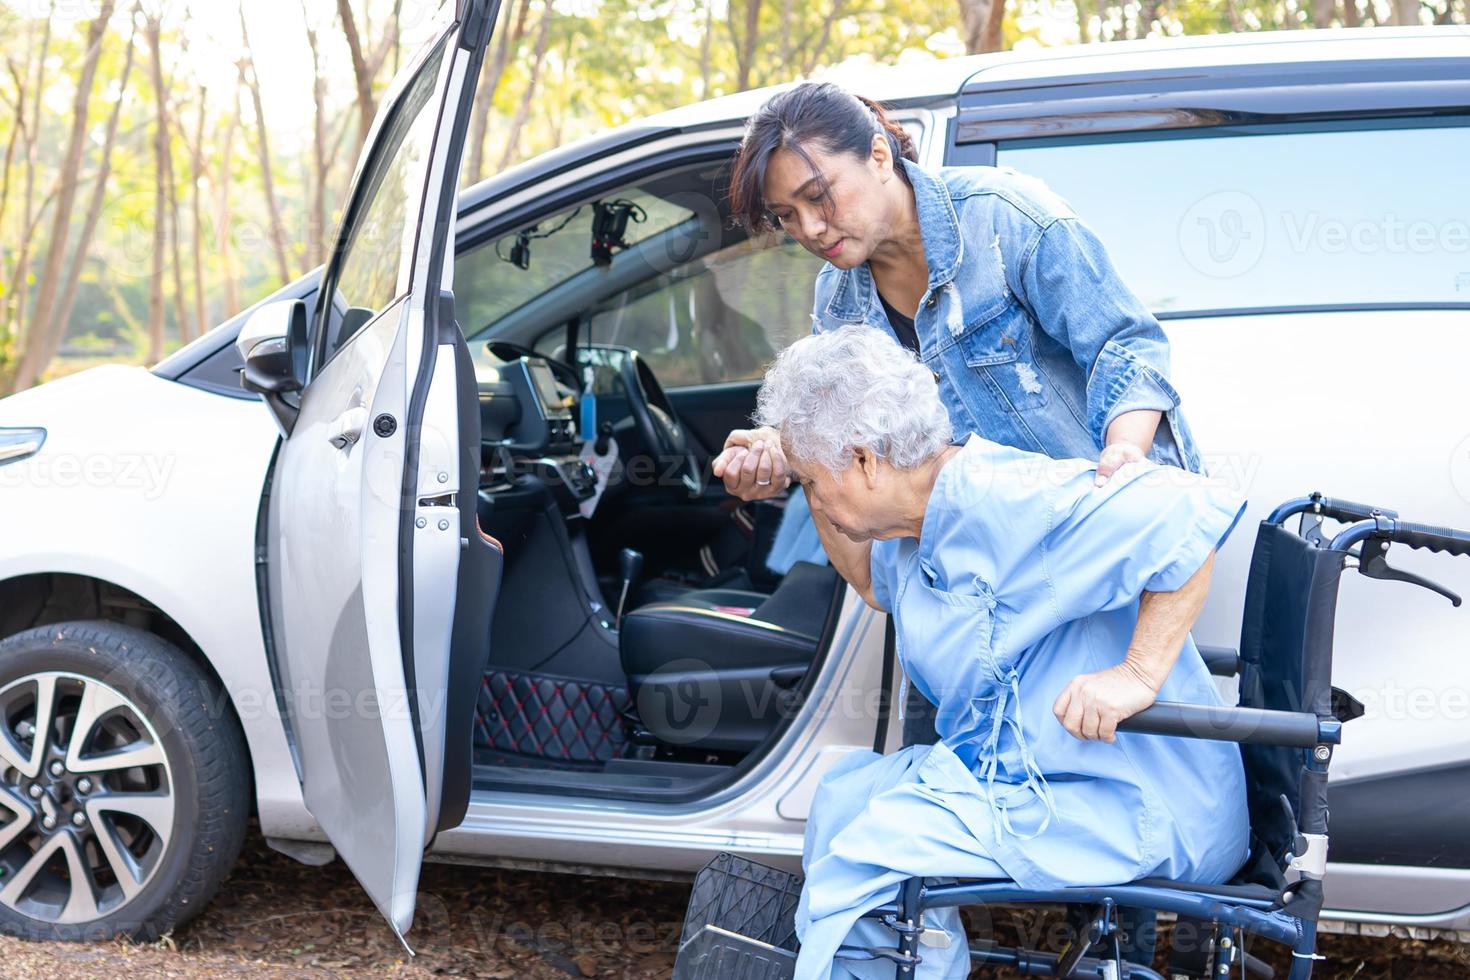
[[740, 921]]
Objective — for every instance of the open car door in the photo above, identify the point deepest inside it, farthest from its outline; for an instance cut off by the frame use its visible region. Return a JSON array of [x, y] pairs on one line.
[[378, 584]]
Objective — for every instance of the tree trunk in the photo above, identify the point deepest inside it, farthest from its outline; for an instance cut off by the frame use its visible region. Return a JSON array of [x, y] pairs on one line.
[[813, 50], [1084, 20], [523, 110], [387, 45], [36, 341], [1406, 12], [316, 222], [160, 218], [1322, 11], [785, 63], [746, 44], [709, 29], [1148, 12], [15, 132], [181, 320], [994, 39], [973, 16], [224, 233], [485, 92], [56, 332], [277, 233], [19, 288], [196, 170], [366, 108]]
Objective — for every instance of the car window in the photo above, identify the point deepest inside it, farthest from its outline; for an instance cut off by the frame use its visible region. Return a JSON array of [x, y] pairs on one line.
[[371, 272], [723, 317], [1273, 219], [502, 275]]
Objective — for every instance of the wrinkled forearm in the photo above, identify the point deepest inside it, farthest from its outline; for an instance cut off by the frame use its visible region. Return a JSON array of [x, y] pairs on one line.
[[852, 559], [1164, 621]]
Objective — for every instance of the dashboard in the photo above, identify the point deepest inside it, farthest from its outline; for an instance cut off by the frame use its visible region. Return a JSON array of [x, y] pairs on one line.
[[528, 429]]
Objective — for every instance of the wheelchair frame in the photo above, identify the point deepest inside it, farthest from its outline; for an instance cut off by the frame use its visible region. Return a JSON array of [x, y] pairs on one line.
[[1288, 720]]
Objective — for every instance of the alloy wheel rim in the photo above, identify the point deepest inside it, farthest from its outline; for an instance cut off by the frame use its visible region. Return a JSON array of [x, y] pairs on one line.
[[86, 798]]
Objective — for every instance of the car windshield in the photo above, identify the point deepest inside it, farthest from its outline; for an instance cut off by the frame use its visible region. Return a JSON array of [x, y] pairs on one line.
[[500, 276]]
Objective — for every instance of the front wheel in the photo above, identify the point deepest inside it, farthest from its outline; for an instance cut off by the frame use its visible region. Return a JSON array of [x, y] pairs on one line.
[[124, 788]]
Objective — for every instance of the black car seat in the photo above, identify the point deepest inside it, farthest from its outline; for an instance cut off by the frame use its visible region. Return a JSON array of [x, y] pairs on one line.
[[719, 668], [735, 558]]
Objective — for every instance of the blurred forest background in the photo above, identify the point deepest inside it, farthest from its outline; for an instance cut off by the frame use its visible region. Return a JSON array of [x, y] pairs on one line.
[[166, 163]]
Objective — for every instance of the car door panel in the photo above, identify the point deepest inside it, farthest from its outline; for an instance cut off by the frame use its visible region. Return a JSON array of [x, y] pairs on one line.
[[480, 569], [1398, 441], [432, 593], [372, 514], [349, 712]]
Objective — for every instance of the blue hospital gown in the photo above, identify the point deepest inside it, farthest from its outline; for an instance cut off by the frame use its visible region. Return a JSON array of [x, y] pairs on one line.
[[1024, 576]]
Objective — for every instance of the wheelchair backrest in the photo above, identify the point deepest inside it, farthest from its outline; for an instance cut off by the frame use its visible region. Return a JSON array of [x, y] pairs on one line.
[[1286, 665]]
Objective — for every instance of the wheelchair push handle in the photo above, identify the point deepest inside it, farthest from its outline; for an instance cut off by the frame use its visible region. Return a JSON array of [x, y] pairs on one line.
[[1377, 533], [1336, 508], [1349, 511], [1447, 539]]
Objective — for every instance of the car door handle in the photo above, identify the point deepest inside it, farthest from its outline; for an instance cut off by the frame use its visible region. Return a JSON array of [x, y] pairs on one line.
[[347, 428]]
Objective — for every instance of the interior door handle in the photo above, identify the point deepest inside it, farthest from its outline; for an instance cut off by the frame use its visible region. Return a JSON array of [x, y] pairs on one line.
[[347, 428]]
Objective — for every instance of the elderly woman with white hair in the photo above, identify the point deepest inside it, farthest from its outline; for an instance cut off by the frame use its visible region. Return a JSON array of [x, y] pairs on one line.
[[1036, 610]]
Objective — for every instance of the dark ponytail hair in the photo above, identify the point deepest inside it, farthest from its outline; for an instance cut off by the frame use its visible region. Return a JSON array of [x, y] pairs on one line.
[[812, 113]]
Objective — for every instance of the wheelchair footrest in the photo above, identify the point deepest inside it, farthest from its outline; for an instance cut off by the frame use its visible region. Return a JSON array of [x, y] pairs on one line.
[[740, 924], [719, 954], [744, 898]]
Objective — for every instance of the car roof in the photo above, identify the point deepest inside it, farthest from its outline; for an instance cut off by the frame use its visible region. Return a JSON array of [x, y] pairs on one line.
[[920, 82], [938, 82]]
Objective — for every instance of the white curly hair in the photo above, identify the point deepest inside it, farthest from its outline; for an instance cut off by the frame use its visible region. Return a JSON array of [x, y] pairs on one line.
[[852, 387]]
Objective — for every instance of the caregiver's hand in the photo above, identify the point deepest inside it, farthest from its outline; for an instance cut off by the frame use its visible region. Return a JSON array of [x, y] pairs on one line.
[[1092, 705], [752, 464], [1114, 457]]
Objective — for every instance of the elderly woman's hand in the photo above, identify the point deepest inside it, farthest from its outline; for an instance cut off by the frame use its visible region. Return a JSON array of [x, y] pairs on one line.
[[1092, 705], [752, 464]]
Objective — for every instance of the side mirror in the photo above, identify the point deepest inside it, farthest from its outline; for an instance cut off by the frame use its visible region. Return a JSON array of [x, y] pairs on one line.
[[273, 346]]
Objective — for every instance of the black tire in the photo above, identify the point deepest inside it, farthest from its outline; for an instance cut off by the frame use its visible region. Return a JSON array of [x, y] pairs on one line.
[[207, 768]]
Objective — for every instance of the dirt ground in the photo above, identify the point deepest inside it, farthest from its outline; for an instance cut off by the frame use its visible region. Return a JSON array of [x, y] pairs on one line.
[[276, 918]]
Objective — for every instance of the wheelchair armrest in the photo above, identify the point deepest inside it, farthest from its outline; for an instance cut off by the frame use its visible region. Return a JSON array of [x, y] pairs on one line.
[[1220, 661], [1297, 729]]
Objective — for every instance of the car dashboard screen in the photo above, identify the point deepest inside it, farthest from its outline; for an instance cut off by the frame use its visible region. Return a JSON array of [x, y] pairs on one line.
[[545, 383]]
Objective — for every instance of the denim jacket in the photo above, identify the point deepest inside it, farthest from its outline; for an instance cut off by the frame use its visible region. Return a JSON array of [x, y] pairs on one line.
[[1033, 337]]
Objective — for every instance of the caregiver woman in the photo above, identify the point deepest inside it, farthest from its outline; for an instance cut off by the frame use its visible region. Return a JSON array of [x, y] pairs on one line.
[[984, 273]]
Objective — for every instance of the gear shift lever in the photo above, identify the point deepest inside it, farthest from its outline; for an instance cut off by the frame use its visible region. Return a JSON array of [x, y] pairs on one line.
[[630, 563]]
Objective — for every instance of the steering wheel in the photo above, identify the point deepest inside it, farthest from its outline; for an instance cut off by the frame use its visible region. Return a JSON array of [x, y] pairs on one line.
[[657, 421]]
